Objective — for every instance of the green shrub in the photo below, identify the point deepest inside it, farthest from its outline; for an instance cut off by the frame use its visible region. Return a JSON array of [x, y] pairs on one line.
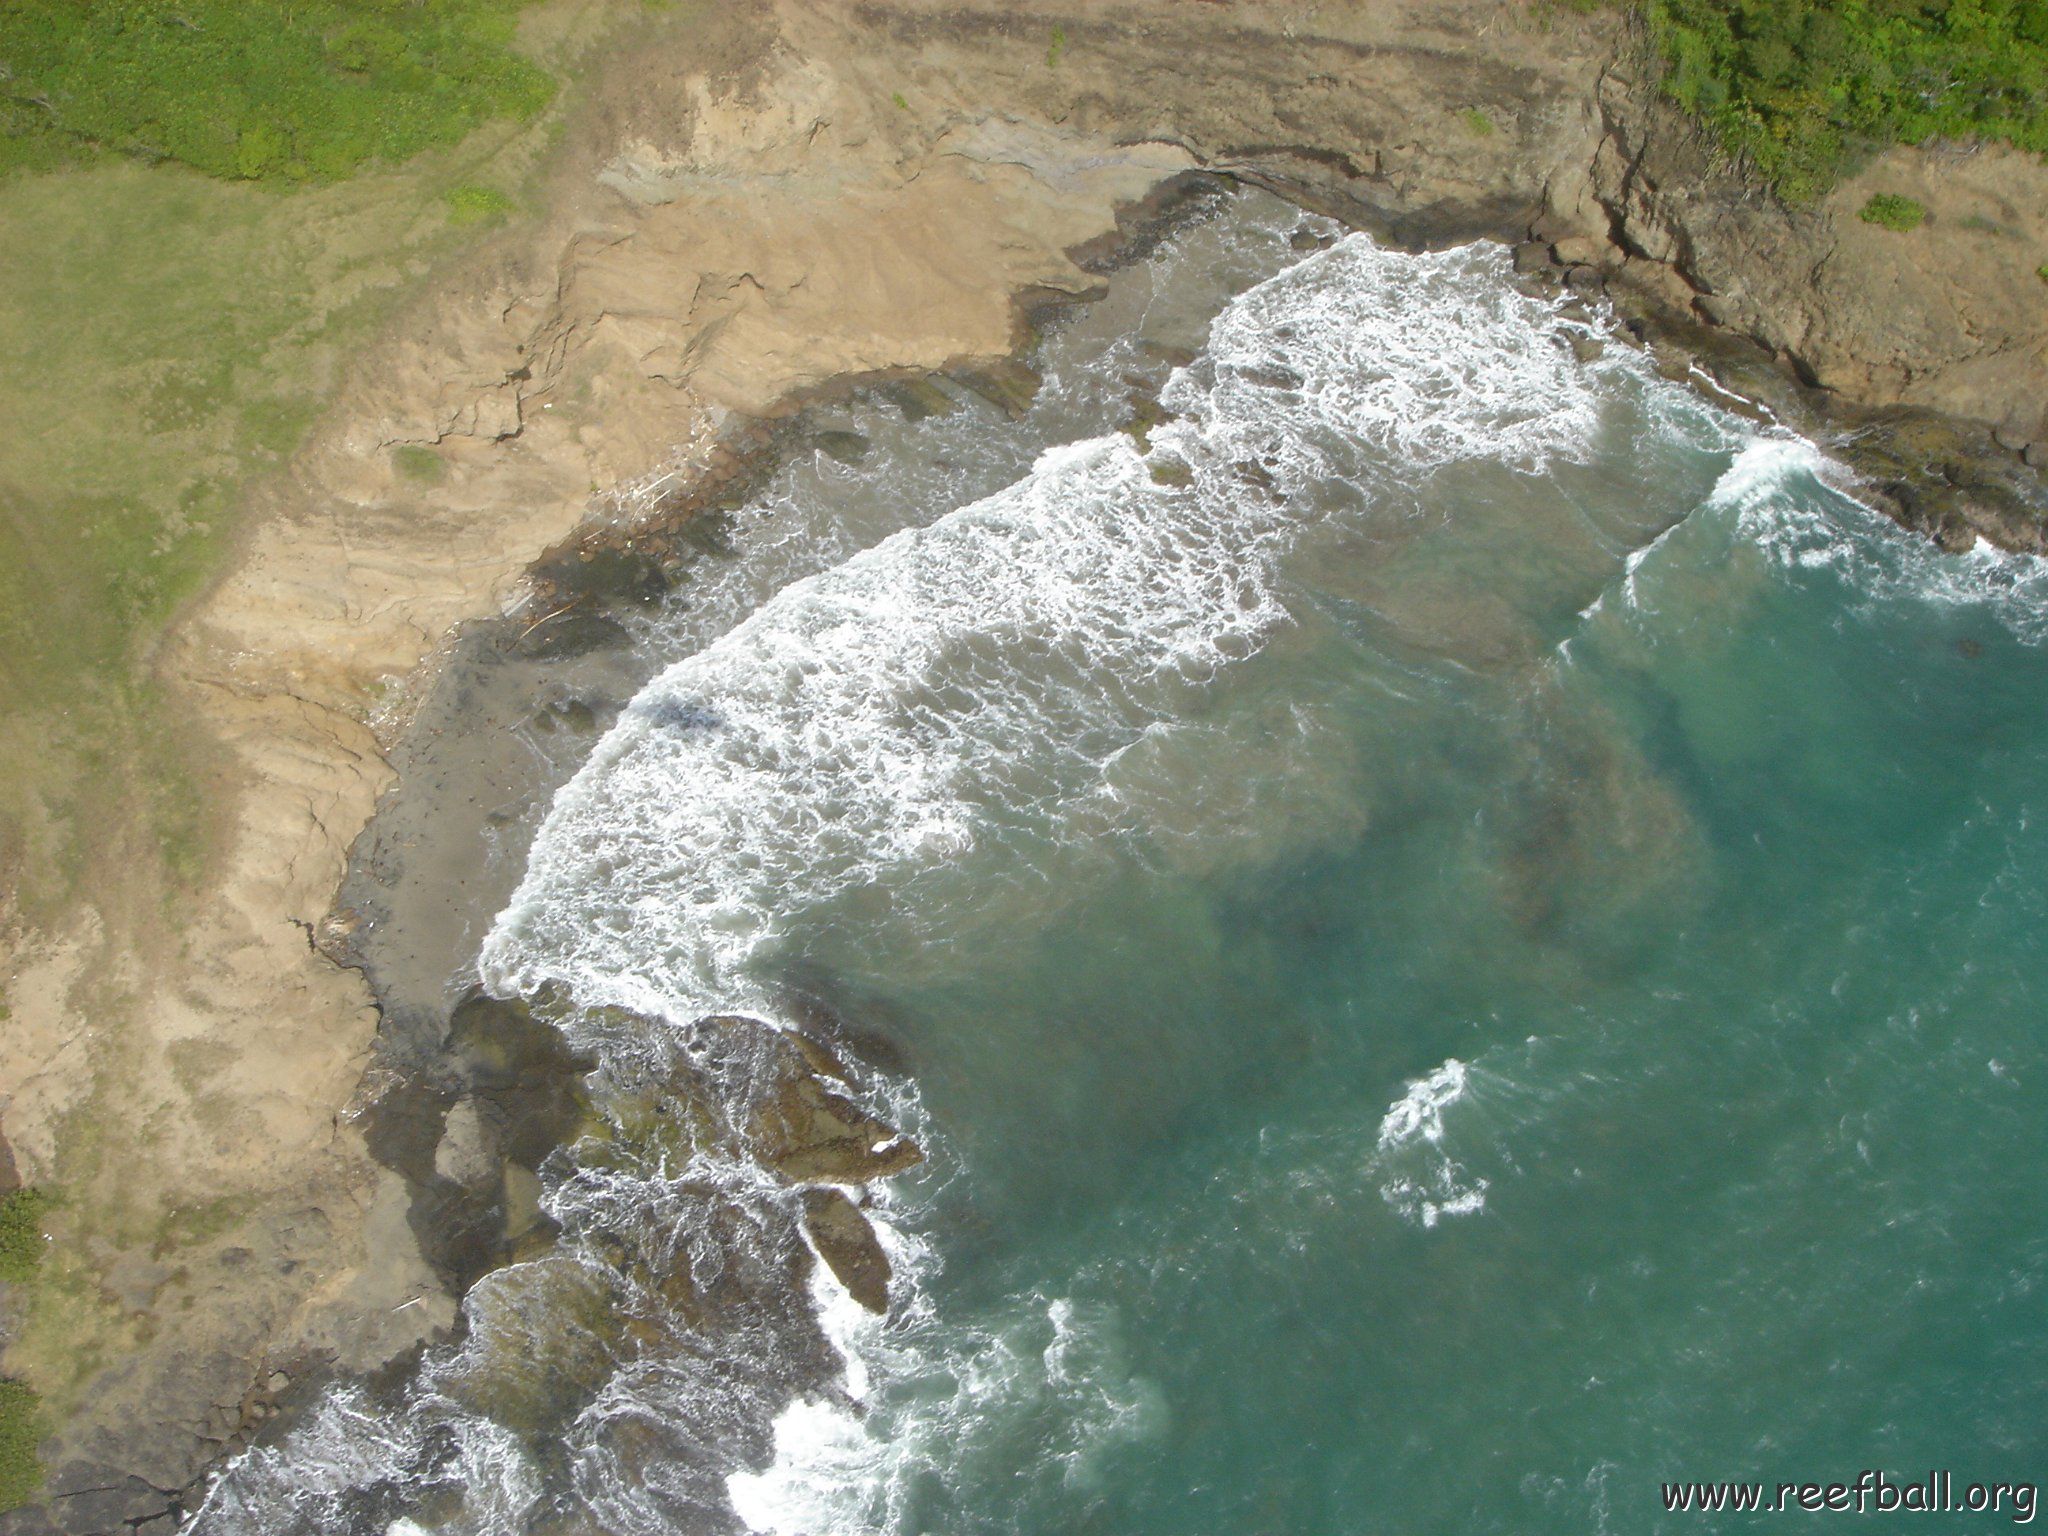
[[1798, 87], [21, 1426], [1893, 212], [21, 1232], [1059, 46], [1477, 121], [257, 90]]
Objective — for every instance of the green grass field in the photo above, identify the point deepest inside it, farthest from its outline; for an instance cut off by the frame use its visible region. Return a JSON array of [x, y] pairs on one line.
[[295, 90]]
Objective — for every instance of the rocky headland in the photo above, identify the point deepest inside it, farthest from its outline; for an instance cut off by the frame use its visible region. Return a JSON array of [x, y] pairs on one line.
[[749, 205]]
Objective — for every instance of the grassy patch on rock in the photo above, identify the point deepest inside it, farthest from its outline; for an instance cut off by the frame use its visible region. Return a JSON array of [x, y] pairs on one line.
[[21, 1233], [477, 205], [21, 1426], [418, 463]]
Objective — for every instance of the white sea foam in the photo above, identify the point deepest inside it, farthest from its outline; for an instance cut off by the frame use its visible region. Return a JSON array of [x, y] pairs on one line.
[[825, 1457], [1043, 1393], [1012, 688], [1783, 511], [1420, 1180], [1429, 359], [348, 1453], [1798, 508]]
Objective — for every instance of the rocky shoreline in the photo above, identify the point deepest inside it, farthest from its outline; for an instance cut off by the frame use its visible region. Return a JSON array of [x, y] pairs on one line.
[[468, 1096], [595, 389]]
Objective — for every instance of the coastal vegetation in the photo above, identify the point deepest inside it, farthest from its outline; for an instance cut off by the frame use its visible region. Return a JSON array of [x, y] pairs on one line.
[[1800, 89], [285, 90]]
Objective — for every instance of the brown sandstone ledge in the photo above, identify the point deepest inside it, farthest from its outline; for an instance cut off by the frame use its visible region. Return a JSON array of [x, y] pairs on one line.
[[754, 204]]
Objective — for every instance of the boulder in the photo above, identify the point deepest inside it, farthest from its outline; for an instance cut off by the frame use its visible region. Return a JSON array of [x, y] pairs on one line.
[[846, 447]]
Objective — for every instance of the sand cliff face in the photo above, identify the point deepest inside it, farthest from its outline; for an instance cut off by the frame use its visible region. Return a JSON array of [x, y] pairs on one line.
[[750, 206]]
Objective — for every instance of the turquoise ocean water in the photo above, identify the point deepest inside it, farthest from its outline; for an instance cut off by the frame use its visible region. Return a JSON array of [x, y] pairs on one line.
[[1463, 930]]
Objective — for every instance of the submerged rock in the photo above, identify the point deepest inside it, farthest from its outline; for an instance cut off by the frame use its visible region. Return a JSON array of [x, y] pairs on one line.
[[1009, 385], [846, 1242], [919, 398], [1270, 377], [1146, 413], [553, 1337], [632, 571], [809, 1133], [739, 1089], [1166, 352], [468, 1131], [576, 716], [570, 634], [681, 714]]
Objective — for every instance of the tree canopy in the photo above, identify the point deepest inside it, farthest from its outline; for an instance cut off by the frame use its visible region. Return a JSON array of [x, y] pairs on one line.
[[1798, 87]]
